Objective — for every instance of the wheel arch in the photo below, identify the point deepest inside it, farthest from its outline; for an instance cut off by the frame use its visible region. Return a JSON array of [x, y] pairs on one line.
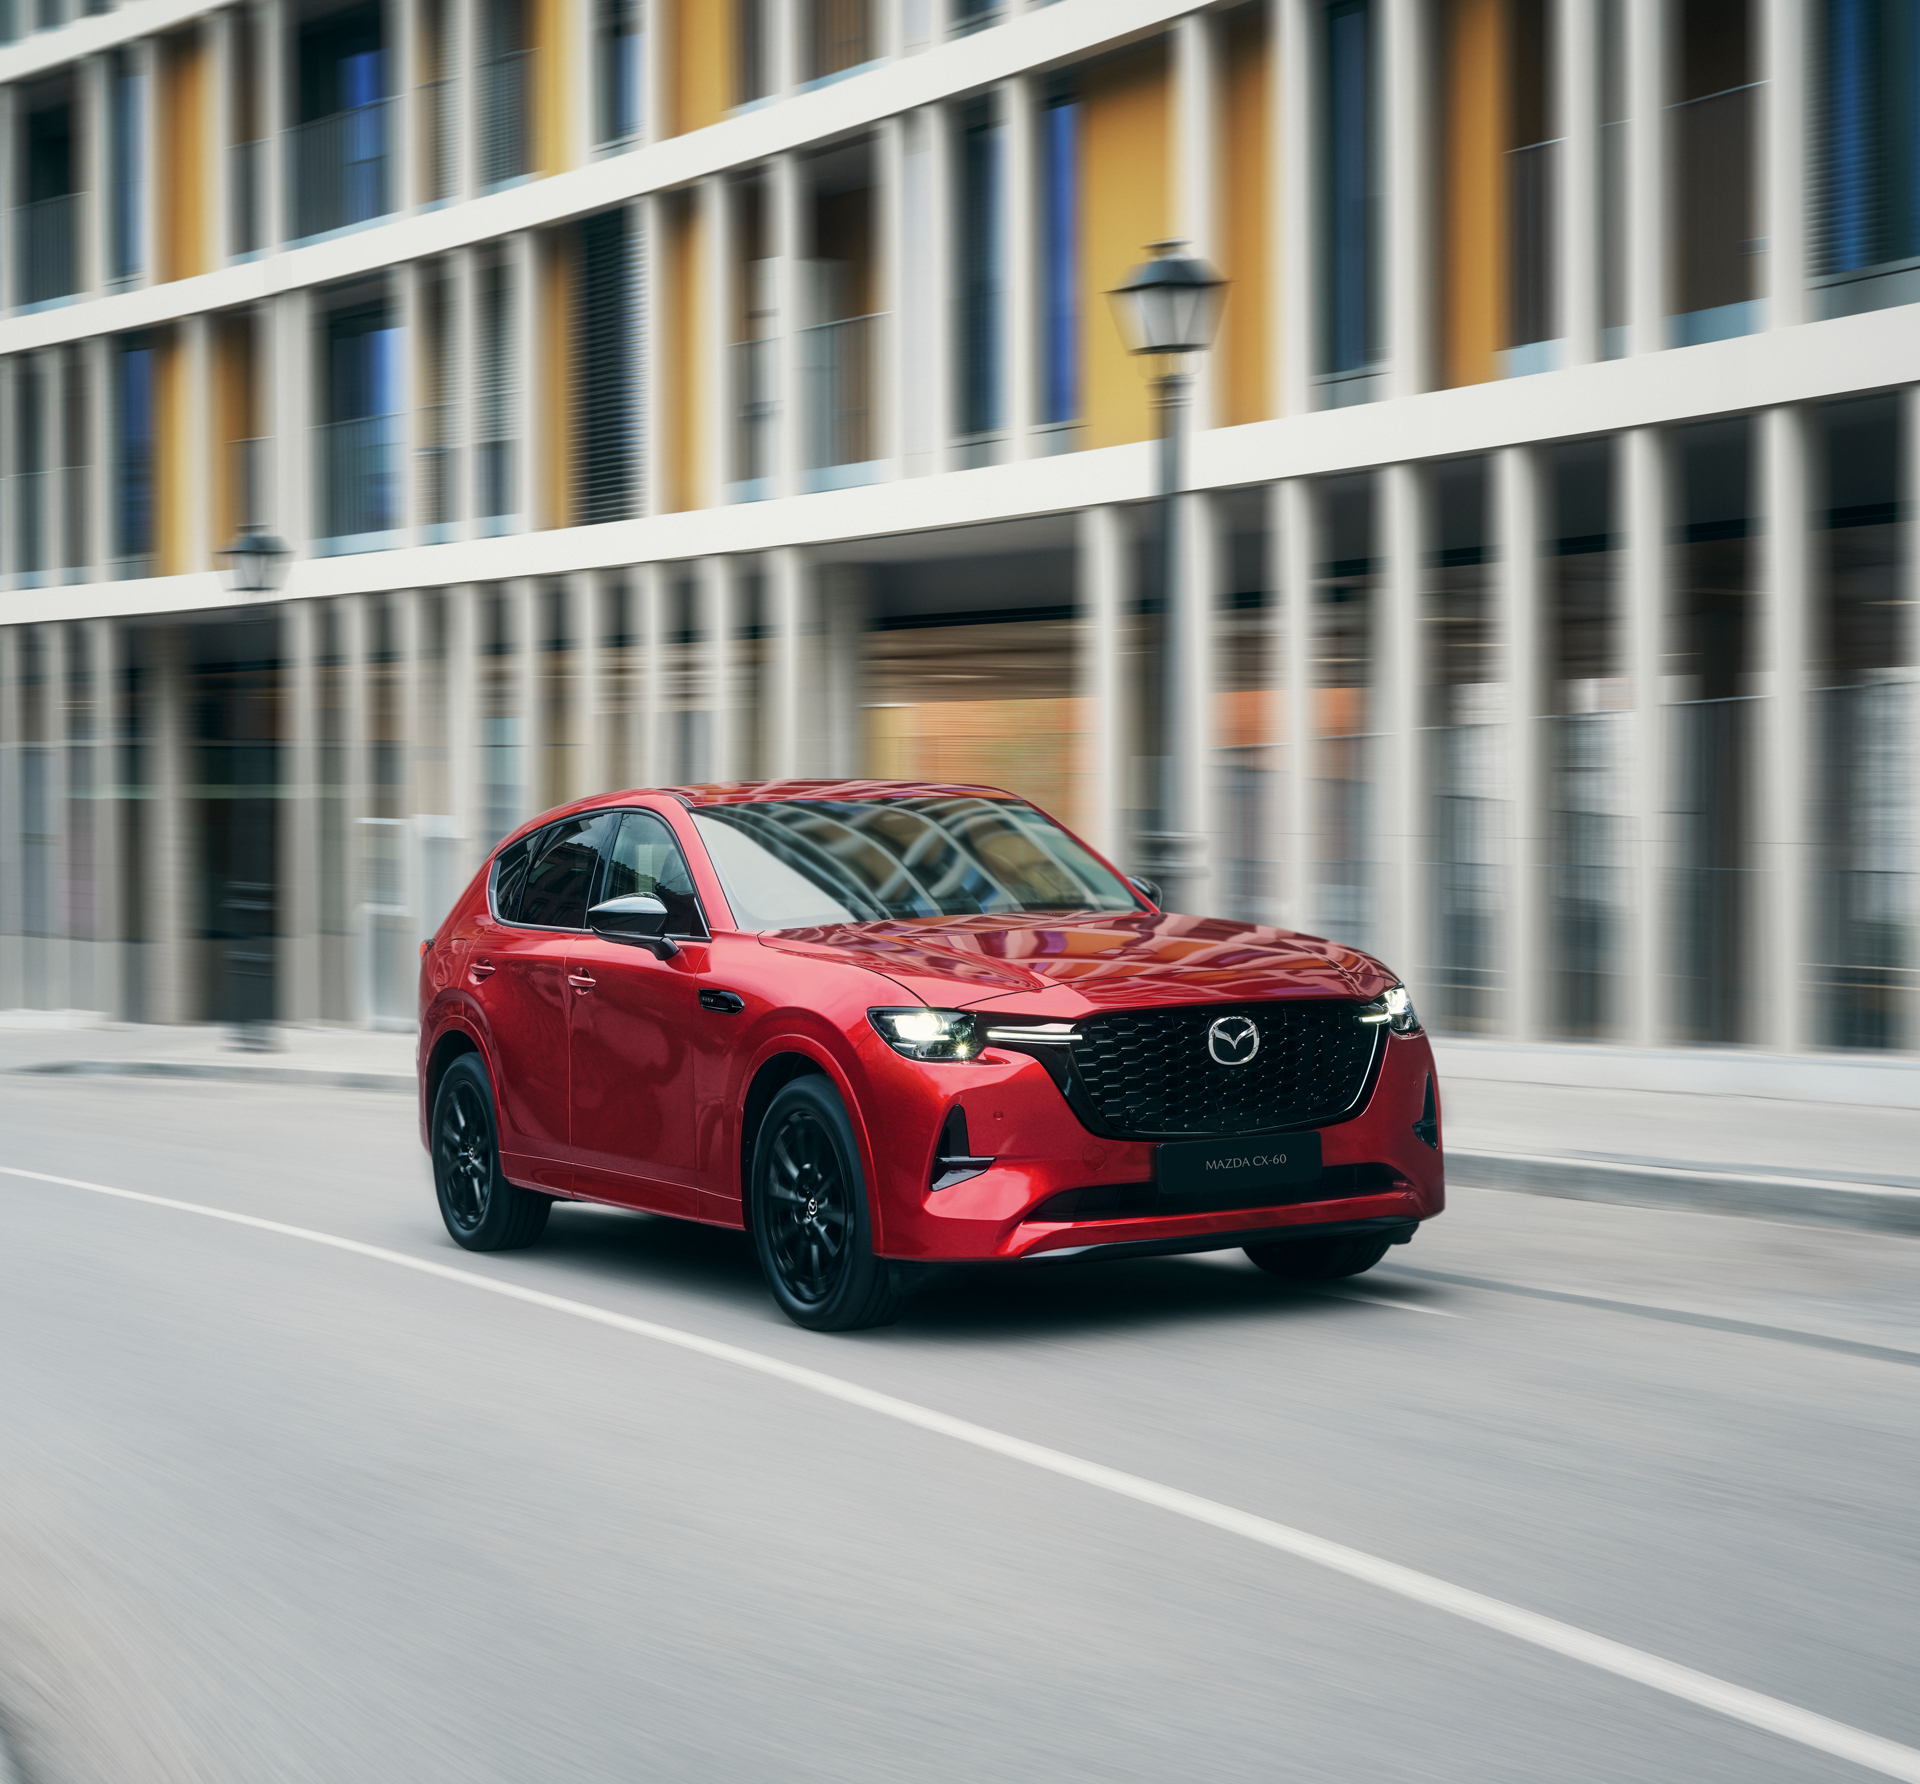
[[453, 1044], [770, 1077]]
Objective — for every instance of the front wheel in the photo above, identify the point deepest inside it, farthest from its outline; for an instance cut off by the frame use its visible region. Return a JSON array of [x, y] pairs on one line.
[[483, 1211], [1319, 1260], [809, 1210]]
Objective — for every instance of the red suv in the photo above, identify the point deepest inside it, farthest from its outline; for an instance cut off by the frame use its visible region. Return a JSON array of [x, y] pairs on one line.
[[885, 1026]]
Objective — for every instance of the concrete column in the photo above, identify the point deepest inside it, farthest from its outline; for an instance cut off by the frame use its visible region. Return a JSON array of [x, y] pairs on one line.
[[789, 578], [1395, 708], [221, 27], [896, 294], [463, 728], [1196, 178], [109, 775], [790, 247], [713, 382], [57, 943], [409, 631], [719, 626], [289, 408], [1575, 37], [276, 61], [1644, 456], [940, 394], [650, 353], [463, 391], [463, 60], [1648, 56], [101, 544], [12, 879], [1017, 101], [788, 60], [525, 642], [655, 18], [1788, 61], [586, 602], [403, 19], [1196, 613], [147, 55], [166, 874], [1293, 96], [356, 637], [1788, 850], [1296, 519], [1104, 564], [1408, 200], [1517, 525], [91, 74], [581, 126], [843, 615], [652, 588], [924, 327], [529, 329]]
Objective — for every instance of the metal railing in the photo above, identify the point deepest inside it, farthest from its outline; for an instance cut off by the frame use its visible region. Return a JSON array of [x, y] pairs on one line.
[[439, 146], [438, 463], [32, 490], [246, 194], [836, 364], [45, 233], [360, 476], [757, 394], [505, 82], [494, 462], [339, 169]]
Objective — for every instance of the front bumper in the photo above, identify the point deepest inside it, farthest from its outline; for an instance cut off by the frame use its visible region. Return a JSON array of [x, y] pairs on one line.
[[1016, 1114]]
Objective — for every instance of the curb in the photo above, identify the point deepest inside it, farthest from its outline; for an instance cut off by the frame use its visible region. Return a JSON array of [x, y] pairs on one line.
[[234, 1073], [1799, 1201]]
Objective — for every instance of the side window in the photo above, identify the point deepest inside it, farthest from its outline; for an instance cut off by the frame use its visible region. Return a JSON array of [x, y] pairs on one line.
[[510, 878], [646, 859], [560, 880]]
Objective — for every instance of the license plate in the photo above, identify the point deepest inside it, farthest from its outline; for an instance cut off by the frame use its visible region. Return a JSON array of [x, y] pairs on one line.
[[1199, 1170]]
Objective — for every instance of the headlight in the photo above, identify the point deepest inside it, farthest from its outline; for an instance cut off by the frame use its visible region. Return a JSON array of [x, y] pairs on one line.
[[929, 1034], [1395, 1008]]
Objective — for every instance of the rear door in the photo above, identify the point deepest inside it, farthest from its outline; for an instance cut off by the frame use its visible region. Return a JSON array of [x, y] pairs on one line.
[[629, 1020], [520, 972]]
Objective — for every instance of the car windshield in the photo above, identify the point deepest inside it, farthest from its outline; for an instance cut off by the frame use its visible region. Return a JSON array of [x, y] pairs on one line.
[[799, 864]]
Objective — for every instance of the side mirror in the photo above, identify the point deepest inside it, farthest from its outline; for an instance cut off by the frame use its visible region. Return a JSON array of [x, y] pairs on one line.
[[1148, 889], [637, 920]]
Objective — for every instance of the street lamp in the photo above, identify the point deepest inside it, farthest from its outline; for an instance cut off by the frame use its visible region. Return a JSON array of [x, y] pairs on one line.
[[256, 561], [1168, 309]]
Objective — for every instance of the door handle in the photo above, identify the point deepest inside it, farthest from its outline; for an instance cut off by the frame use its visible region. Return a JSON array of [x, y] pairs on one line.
[[481, 969], [582, 981], [723, 1003]]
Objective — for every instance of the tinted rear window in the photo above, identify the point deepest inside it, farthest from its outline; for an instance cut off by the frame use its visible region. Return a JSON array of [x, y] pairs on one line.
[[560, 880]]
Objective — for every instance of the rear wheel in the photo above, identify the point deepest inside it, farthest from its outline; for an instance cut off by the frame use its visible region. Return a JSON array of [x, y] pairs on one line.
[[810, 1223], [1319, 1260], [483, 1211]]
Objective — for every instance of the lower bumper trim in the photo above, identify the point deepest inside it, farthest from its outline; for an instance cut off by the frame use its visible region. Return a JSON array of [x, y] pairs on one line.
[[1394, 1228]]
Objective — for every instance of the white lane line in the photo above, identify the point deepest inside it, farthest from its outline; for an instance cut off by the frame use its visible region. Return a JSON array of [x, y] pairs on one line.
[[1821, 1733], [1350, 1294]]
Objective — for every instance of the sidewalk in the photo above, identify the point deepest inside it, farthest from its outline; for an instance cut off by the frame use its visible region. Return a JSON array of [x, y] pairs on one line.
[[1660, 1129]]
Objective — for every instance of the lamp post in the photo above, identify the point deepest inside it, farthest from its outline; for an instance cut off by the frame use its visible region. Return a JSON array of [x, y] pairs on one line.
[[1169, 309]]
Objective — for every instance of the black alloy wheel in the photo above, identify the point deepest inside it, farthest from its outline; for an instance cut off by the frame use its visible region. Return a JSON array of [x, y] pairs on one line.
[[483, 1211], [809, 1211]]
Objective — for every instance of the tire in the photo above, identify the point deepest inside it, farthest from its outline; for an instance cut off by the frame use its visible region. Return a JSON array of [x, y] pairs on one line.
[[483, 1211], [811, 1228], [1319, 1260]]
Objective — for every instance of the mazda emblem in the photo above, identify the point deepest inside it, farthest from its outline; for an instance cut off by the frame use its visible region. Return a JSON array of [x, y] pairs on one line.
[[1233, 1040]]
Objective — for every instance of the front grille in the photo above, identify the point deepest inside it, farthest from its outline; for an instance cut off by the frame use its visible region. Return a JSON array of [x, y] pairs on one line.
[[1149, 1074]]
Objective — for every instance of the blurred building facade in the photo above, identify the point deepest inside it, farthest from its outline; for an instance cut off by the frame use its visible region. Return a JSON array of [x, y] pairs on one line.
[[668, 390]]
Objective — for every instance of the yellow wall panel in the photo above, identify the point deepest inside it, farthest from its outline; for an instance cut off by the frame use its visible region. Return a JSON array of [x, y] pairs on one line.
[[553, 64], [184, 190], [1474, 211], [686, 323], [1246, 162], [702, 63], [1123, 207]]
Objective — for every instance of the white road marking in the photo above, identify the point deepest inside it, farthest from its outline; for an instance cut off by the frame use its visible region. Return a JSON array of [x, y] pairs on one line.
[[1789, 1721], [1350, 1294]]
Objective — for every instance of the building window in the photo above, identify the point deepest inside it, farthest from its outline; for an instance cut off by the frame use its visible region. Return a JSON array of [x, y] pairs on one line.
[[494, 443], [1867, 185], [753, 50], [1613, 178], [1715, 158], [606, 412], [47, 224], [840, 37], [360, 437], [982, 271], [622, 69], [340, 147], [1060, 126], [1349, 205], [1531, 151], [127, 129], [133, 454]]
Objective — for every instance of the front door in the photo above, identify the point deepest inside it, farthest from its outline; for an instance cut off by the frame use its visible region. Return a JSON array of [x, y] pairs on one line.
[[630, 1016]]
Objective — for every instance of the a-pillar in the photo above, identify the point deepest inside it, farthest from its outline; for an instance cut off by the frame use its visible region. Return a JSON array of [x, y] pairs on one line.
[[1575, 36], [1649, 25], [843, 616], [1787, 855], [1296, 524], [790, 580], [1393, 703], [1645, 945], [1105, 563], [165, 876], [1518, 528], [1408, 203], [1788, 59], [109, 751], [718, 627]]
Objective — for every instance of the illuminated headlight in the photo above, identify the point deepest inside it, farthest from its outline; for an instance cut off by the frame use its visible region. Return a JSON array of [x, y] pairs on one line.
[[1395, 1008], [929, 1034]]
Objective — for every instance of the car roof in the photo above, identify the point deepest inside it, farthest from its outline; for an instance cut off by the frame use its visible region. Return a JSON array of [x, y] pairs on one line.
[[851, 791]]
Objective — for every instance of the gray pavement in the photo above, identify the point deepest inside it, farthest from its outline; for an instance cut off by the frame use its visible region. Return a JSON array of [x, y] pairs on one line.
[[273, 1511]]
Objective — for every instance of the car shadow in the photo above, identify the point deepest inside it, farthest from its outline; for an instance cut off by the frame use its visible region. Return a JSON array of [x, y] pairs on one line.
[[976, 1303]]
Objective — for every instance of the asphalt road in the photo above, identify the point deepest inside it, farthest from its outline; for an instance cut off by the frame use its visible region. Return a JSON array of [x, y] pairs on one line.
[[276, 1510]]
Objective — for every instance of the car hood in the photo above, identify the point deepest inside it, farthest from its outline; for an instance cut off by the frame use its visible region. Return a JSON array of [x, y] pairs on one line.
[[1065, 965]]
